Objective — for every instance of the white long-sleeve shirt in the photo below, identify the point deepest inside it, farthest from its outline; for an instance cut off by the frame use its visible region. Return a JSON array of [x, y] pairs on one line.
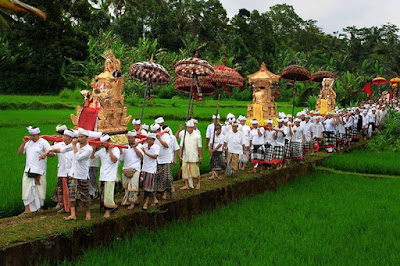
[[80, 162]]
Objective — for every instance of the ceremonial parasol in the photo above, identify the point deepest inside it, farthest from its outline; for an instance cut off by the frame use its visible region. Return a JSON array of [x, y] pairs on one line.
[[153, 74], [320, 75], [225, 76], [295, 73], [192, 68], [395, 84], [379, 81]]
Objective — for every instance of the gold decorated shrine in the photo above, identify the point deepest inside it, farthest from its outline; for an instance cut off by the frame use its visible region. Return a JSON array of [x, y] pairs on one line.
[[326, 101], [263, 106], [103, 109]]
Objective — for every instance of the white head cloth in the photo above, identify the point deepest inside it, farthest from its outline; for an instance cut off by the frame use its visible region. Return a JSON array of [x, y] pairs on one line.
[[33, 130]]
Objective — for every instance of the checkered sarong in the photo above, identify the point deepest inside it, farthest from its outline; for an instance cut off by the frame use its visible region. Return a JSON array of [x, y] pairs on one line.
[[330, 139], [269, 150], [355, 134], [296, 151], [79, 191], [148, 181], [287, 149], [306, 146], [279, 151], [317, 142], [257, 154]]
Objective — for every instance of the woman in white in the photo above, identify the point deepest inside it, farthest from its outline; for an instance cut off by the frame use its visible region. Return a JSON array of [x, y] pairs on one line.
[[34, 177]]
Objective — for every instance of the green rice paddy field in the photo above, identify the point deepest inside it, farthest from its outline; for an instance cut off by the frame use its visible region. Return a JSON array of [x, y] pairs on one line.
[[316, 219], [14, 121]]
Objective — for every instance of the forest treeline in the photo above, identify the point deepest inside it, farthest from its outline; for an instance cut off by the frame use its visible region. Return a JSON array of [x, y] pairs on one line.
[[64, 52]]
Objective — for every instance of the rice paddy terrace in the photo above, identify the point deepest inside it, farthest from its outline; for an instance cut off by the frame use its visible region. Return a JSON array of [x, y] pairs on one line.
[[48, 235]]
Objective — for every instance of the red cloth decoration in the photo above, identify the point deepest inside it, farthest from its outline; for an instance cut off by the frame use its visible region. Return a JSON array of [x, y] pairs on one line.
[[88, 118], [367, 89], [390, 94]]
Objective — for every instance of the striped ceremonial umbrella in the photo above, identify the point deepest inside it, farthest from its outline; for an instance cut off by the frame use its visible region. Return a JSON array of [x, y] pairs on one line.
[[295, 73], [153, 74]]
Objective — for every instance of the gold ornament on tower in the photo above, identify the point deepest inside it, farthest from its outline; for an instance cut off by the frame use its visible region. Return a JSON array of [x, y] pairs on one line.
[[104, 108], [263, 107], [327, 97]]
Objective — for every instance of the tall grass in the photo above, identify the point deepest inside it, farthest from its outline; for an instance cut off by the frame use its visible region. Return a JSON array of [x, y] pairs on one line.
[[317, 219]]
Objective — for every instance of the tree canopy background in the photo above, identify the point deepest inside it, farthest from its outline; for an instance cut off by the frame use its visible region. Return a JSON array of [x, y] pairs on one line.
[[64, 52]]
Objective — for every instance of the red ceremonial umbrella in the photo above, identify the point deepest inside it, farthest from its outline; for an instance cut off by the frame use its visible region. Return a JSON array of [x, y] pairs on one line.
[[153, 74], [295, 73]]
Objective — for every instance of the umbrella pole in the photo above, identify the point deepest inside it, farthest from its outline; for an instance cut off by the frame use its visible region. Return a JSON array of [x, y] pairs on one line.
[[188, 110], [294, 98], [144, 99]]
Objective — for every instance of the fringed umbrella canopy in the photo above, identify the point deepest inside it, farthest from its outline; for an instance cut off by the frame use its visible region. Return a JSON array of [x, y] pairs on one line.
[[395, 80], [320, 75], [295, 73], [183, 85], [227, 76], [149, 71], [189, 67]]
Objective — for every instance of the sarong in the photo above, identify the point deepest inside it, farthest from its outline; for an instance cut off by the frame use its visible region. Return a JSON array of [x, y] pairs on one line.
[[131, 186], [163, 178], [63, 192], [306, 146], [278, 154], [33, 194], [355, 134], [107, 194], [79, 192], [330, 141], [269, 151], [257, 154], [244, 158], [148, 181], [287, 149], [296, 151], [190, 170], [317, 143], [216, 161], [233, 163], [93, 174]]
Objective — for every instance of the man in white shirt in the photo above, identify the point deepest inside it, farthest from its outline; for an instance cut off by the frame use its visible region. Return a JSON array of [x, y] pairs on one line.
[[34, 177], [245, 129], [64, 166], [137, 126], [149, 169], [298, 139], [210, 129], [317, 135], [256, 142], [306, 125], [191, 156], [109, 156], [279, 144], [235, 146], [372, 122], [329, 133], [132, 158], [268, 143], [180, 133], [216, 146], [79, 173], [163, 180]]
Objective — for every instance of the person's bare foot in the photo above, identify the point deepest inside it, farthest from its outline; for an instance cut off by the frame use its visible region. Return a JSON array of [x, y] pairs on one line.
[[23, 214], [198, 186], [88, 218], [131, 207], [184, 188], [69, 218], [211, 178]]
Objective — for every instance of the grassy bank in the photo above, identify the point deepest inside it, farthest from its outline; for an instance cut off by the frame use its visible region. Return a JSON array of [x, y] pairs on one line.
[[317, 219], [366, 161]]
